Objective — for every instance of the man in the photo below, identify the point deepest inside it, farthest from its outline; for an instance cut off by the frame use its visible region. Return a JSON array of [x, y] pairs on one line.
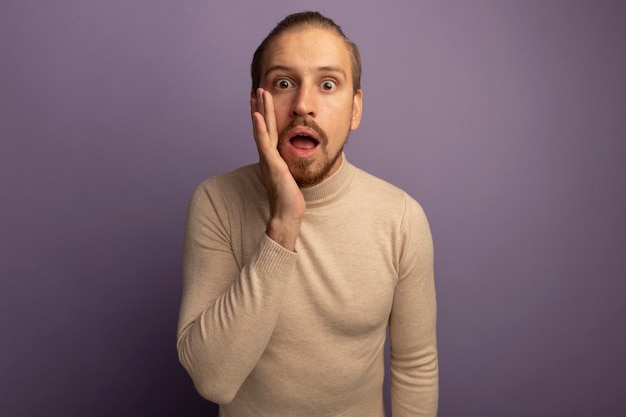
[[295, 266]]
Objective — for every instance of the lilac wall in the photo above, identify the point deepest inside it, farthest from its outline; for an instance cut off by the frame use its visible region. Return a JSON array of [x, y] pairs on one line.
[[506, 119]]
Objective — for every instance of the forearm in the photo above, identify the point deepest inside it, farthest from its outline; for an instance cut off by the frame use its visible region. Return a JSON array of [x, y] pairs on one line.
[[414, 360], [415, 384], [220, 344]]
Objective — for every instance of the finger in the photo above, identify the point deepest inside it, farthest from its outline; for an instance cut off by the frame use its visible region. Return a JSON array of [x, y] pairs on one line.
[[270, 118], [259, 128], [257, 106], [259, 102], [253, 110]]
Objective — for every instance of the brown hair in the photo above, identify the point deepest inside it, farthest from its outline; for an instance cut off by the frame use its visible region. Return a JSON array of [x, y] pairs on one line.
[[296, 21]]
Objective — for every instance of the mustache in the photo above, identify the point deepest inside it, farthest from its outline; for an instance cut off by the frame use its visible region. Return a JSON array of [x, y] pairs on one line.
[[304, 122]]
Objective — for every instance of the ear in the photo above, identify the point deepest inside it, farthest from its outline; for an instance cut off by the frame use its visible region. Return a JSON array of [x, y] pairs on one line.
[[357, 110]]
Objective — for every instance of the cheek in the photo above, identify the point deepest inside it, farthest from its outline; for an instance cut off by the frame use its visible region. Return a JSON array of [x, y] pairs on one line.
[[282, 116], [342, 118], [342, 109]]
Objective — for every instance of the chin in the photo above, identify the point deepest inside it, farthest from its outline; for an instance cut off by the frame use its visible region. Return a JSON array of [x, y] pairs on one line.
[[307, 175], [312, 171], [308, 178]]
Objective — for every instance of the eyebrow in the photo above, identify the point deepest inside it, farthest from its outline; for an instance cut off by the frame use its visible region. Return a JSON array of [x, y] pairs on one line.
[[285, 68]]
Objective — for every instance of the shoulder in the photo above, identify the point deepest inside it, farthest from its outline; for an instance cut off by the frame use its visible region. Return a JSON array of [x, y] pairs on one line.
[[376, 185], [239, 187], [384, 195], [240, 181]]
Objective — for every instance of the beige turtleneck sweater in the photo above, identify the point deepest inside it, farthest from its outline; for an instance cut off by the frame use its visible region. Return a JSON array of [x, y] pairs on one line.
[[267, 332]]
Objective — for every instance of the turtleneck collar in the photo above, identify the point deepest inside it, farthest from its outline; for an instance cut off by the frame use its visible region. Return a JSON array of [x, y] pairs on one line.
[[331, 188]]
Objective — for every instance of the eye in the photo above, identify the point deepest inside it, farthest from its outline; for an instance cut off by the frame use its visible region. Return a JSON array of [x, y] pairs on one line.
[[328, 85], [283, 84]]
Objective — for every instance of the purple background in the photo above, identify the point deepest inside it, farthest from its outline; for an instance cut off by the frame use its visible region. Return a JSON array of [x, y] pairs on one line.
[[505, 119]]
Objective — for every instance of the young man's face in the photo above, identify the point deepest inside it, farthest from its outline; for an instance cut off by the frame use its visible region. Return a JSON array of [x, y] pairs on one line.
[[309, 74]]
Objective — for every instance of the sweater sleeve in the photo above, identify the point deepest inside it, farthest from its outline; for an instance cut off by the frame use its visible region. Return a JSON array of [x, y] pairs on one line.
[[228, 311], [412, 326]]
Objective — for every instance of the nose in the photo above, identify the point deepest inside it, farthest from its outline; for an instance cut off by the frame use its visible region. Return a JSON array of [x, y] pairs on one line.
[[304, 102]]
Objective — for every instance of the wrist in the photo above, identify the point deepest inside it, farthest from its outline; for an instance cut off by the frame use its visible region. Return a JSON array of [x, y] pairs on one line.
[[285, 233]]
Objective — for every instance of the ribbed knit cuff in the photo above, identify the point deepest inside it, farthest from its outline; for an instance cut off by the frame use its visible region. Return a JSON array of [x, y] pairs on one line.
[[273, 260]]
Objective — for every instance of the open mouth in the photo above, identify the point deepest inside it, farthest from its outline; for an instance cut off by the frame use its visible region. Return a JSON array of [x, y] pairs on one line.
[[303, 142], [303, 138]]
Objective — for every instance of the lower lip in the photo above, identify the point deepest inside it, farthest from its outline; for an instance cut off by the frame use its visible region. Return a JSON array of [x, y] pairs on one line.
[[302, 153]]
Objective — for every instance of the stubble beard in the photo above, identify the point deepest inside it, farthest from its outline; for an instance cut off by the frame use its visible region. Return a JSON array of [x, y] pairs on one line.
[[306, 177], [301, 169]]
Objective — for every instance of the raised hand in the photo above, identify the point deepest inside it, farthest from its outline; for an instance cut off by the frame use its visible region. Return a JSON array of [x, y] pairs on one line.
[[286, 201]]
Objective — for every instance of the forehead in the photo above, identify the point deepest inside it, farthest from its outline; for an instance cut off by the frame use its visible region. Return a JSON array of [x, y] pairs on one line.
[[306, 48]]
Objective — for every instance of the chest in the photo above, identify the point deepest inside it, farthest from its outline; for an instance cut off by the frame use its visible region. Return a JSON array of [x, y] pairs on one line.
[[345, 279]]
